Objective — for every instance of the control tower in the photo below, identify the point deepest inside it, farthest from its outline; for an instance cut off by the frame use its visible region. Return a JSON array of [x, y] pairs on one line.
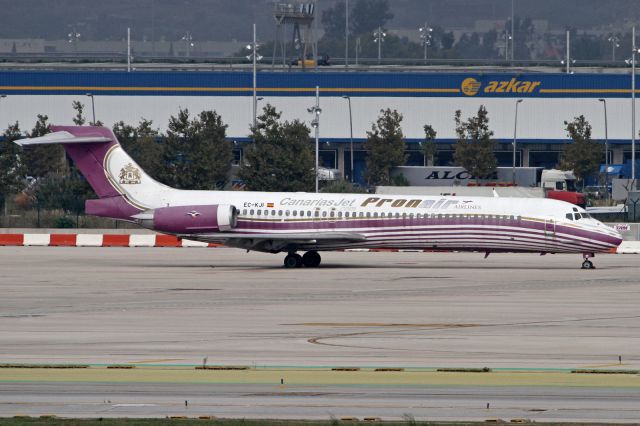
[[294, 15]]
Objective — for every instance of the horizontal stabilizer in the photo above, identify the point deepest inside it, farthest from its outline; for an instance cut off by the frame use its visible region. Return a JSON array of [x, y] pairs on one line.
[[61, 137]]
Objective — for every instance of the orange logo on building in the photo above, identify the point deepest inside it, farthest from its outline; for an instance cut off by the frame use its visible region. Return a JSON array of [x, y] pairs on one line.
[[470, 86]]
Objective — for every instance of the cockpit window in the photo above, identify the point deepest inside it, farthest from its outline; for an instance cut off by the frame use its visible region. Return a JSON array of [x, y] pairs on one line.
[[578, 216], [569, 216]]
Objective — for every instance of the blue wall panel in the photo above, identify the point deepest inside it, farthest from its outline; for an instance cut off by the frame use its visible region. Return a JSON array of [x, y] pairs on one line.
[[331, 84]]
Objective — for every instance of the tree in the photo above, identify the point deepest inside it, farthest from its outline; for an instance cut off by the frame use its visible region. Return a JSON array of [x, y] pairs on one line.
[[68, 193], [79, 119], [280, 157], [524, 34], [583, 155], [197, 154], [385, 147], [333, 20], [40, 160], [341, 186], [368, 15], [429, 147], [142, 145], [474, 149], [11, 166]]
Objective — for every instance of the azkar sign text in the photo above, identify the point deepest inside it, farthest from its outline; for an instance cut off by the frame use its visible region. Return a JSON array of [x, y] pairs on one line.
[[471, 86]]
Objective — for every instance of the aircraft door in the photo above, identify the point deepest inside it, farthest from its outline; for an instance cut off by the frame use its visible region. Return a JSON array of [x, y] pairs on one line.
[[550, 233]]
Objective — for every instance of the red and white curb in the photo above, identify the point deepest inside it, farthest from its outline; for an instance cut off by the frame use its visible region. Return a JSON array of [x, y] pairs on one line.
[[99, 240], [158, 240]]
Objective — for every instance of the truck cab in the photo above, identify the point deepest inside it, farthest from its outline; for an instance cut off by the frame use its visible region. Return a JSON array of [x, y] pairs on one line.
[[561, 185]]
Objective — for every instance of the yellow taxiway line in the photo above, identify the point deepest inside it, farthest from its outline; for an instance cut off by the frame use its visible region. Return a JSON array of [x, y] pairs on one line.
[[318, 377]]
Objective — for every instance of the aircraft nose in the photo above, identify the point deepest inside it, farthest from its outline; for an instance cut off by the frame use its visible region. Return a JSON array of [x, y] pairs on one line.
[[614, 233]]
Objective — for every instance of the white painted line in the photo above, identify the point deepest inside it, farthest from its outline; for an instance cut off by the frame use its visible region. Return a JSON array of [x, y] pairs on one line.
[[142, 240], [37, 239], [89, 240], [191, 243]]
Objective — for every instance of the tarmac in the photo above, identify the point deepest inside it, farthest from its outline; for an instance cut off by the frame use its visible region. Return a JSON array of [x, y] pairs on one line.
[[531, 319]]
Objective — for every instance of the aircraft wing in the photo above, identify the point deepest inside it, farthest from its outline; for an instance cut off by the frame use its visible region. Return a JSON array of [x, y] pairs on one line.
[[274, 241]]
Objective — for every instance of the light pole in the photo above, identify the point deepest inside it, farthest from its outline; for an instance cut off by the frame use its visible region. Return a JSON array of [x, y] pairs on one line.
[[425, 38], [515, 130], [615, 42], [74, 37], [507, 37], [606, 146], [254, 57], [315, 123], [189, 41], [568, 58], [128, 50], [93, 108], [350, 134], [357, 49], [378, 37], [633, 106], [512, 31], [346, 34]]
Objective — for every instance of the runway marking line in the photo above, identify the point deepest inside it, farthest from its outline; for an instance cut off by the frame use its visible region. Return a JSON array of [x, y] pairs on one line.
[[145, 374]]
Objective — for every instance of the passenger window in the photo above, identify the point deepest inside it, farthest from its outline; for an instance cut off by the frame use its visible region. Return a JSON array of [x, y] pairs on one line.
[[332, 213], [279, 212], [397, 215], [361, 214], [368, 214], [295, 212], [251, 212], [346, 214], [340, 214], [244, 212], [324, 214], [259, 212], [375, 214], [301, 213], [286, 212], [273, 212], [309, 213], [317, 213]]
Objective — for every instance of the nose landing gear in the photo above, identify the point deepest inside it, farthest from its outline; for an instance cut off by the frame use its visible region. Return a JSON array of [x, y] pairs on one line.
[[587, 264], [311, 259]]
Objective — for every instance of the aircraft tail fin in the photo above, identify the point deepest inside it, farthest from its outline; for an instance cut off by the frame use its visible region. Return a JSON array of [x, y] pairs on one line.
[[112, 174]]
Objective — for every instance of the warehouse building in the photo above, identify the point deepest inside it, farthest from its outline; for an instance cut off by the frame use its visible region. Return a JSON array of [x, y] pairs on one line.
[[548, 99]]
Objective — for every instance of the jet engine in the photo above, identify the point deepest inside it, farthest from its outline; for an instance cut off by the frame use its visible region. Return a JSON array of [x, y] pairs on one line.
[[195, 219]]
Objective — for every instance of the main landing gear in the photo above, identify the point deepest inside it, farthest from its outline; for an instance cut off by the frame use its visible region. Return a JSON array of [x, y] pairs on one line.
[[311, 259], [587, 264]]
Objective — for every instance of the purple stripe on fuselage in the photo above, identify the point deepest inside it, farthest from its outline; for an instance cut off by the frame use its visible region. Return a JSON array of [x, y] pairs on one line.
[[384, 225]]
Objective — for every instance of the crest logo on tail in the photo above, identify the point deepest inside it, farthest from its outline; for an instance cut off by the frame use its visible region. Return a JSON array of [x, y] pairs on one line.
[[130, 175]]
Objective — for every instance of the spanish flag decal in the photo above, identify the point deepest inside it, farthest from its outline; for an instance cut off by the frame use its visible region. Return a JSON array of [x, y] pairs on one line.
[[270, 205]]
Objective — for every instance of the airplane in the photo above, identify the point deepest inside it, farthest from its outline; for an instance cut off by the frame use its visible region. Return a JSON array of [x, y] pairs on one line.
[[281, 222]]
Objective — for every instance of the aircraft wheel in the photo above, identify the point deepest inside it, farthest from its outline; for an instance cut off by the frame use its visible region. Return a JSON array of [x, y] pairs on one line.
[[587, 264], [292, 260], [311, 259]]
